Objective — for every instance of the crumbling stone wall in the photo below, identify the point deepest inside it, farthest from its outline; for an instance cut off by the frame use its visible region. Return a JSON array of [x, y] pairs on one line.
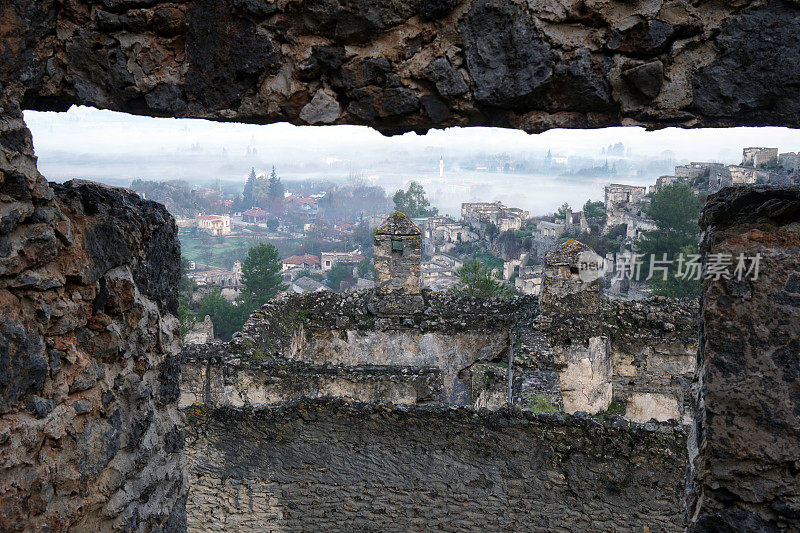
[[365, 328], [325, 465], [212, 376], [398, 256], [747, 444], [90, 434], [410, 65], [653, 351]]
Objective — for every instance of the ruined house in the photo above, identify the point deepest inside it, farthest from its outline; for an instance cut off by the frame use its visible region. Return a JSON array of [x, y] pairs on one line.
[[759, 157], [505, 218]]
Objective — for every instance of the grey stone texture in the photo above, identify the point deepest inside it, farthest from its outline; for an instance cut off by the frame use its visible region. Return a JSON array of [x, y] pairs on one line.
[[572, 328], [410, 65], [653, 346], [327, 465], [89, 349], [747, 436], [212, 376], [398, 256]]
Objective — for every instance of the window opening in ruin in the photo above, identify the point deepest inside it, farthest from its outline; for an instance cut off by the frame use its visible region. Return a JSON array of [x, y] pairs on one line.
[[495, 196]]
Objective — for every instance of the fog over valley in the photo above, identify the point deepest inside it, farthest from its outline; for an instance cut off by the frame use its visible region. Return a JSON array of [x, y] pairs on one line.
[[478, 164]]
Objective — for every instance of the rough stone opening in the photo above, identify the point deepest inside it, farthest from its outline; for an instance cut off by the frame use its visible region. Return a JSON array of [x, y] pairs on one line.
[[415, 66]]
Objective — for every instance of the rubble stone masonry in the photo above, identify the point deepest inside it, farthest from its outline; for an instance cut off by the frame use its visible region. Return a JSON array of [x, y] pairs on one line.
[[747, 438], [91, 438], [328, 465]]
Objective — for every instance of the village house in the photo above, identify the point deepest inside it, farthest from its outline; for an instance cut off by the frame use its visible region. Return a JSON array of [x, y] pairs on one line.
[[255, 215], [442, 233], [331, 259], [305, 284], [214, 224], [308, 261], [482, 213], [218, 277], [757, 156]]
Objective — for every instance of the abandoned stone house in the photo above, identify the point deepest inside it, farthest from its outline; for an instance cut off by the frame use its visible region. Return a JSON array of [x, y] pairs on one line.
[[442, 234], [92, 438], [758, 157], [505, 218]]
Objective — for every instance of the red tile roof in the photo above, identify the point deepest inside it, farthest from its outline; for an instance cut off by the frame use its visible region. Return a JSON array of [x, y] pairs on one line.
[[307, 259]]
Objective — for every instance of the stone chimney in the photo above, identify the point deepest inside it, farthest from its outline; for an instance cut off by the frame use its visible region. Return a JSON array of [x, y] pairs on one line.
[[571, 280], [398, 255]]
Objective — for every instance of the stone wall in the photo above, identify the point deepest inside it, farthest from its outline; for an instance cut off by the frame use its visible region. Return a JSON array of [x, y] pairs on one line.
[[745, 455], [328, 465], [653, 351], [366, 328], [90, 434], [409, 65], [212, 376]]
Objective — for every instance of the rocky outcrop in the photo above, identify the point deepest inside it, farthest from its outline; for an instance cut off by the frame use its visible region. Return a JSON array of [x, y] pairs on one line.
[[410, 65], [744, 457], [90, 434]]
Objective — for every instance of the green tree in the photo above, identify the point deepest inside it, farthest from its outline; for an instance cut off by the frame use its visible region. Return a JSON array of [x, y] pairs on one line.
[[363, 236], [261, 274], [186, 288], [562, 211], [594, 209], [248, 196], [675, 210], [337, 274], [476, 279], [275, 188], [272, 223], [413, 202], [364, 267], [491, 230], [186, 317], [226, 317]]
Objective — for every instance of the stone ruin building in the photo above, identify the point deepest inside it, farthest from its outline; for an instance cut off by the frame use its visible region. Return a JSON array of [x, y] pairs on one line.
[[505, 218], [92, 372]]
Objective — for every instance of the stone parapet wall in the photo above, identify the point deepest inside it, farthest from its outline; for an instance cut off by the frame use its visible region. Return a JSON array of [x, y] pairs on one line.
[[745, 454], [331, 465]]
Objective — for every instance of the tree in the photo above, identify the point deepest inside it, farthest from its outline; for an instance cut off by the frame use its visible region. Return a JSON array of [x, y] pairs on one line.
[[226, 317], [272, 223], [562, 211], [337, 274], [261, 274], [593, 209], [413, 202], [363, 236], [186, 287], [491, 230], [364, 267], [249, 194], [186, 317], [275, 187], [675, 210], [476, 279]]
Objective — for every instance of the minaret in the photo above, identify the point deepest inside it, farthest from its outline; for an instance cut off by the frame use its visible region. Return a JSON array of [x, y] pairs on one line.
[[441, 167]]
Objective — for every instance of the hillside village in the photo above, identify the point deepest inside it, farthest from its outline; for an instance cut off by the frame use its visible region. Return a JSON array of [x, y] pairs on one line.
[[324, 234]]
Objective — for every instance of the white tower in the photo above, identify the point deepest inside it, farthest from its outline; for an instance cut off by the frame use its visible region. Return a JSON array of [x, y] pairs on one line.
[[441, 167]]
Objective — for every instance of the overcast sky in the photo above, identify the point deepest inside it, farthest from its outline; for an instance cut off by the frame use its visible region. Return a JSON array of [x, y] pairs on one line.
[[116, 147]]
